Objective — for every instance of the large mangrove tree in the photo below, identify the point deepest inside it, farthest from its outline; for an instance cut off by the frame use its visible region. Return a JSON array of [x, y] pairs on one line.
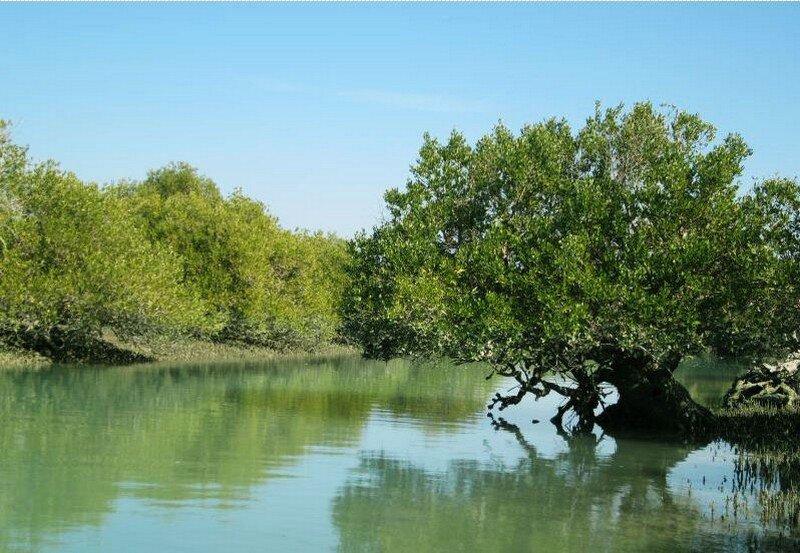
[[584, 263]]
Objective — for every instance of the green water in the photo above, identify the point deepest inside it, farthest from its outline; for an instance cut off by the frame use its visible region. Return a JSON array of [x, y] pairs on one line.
[[338, 454]]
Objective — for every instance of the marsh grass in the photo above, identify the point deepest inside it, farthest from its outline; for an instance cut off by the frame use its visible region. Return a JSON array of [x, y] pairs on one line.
[[172, 349], [14, 358], [768, 462], [755, 427], [187, 349]]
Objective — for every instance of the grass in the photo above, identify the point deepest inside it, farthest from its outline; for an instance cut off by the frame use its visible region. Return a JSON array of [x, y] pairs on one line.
[[754, 426], [164, 348], [767, 440], [14, 358], [187, 349]]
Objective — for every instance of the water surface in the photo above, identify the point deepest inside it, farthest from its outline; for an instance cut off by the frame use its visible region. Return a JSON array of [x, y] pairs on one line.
[[321, 454]]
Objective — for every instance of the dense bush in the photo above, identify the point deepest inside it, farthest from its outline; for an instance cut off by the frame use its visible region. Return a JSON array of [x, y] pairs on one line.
[[169, 255]]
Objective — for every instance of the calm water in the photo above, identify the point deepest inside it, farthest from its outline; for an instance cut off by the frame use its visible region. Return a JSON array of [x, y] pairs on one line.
[[339, 454]]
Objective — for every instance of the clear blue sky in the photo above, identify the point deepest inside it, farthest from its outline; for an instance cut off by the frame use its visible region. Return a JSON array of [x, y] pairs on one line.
[[317, 109]]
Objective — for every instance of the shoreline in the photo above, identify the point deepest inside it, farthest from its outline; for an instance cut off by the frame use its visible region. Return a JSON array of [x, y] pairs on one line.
[[173, 351]]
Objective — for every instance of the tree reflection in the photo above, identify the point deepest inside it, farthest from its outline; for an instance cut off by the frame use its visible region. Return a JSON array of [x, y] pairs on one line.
[[75, 441], [577, 500], [72, 441]]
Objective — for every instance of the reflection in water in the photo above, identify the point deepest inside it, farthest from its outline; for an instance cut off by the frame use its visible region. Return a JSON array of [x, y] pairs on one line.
[[573, 502], [708, 380], [311, 454], [75, 440]]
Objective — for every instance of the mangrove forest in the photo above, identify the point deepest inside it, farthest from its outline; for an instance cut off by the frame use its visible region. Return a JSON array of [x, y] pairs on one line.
[[123, 272], [587, 263]]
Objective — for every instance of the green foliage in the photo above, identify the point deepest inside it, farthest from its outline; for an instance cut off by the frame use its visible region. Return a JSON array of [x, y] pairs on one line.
[[623, 246], [73, 262], [168, 255], [257, 282]]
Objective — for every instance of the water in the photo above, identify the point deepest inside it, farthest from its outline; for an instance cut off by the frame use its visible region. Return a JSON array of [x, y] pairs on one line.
[[340, 454]]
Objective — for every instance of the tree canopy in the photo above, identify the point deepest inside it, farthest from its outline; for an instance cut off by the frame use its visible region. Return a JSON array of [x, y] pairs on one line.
[[574, 260], [170, 255]]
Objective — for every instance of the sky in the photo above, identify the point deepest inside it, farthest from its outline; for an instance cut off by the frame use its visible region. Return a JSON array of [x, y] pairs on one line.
[[317, 109]]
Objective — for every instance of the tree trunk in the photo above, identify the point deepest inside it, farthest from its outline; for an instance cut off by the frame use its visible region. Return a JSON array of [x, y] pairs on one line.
[[653, 400]]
